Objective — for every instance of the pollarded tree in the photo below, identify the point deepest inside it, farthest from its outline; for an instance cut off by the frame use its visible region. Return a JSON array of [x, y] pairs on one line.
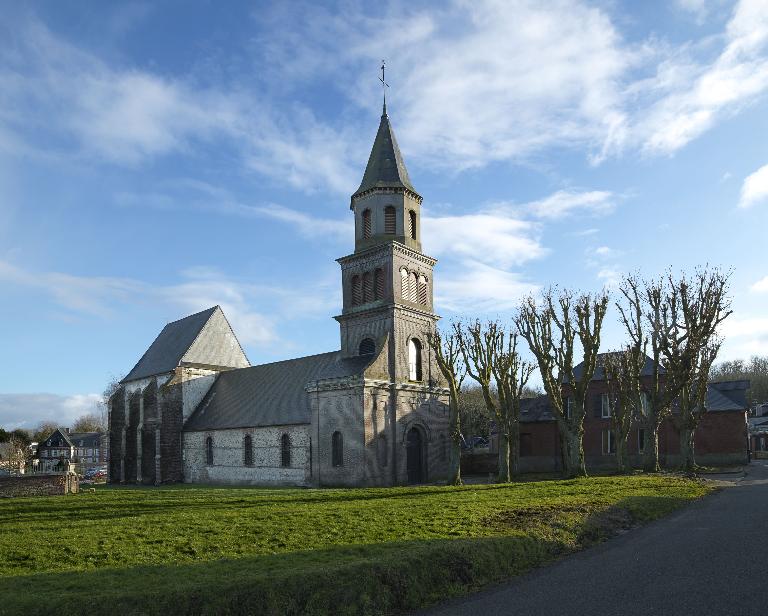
[[693, 311], [623, 370], [551, 329], [447, 351]]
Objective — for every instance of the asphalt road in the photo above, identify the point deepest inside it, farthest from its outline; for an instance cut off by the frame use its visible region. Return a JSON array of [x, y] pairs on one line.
[[710, 558]]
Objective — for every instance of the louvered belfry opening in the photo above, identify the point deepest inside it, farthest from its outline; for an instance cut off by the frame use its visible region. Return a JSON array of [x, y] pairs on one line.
[[412, 221], [378, 283], [422, 290], [367, 287], [390, 220], [357, 291], [367, 224]]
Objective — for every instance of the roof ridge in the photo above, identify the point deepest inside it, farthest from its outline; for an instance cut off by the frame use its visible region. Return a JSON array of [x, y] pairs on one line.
[[282, 361]]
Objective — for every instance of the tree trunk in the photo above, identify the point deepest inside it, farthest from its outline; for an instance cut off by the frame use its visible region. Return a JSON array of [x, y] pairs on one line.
[[503, 475], [573, 454], [622, 464], [651, 462], [687, 461], [454, 427]]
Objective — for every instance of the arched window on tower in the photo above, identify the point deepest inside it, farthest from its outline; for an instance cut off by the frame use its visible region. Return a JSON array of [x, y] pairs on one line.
[[248, 450], [404, 283], [390, 220], [414, 360], [357, 291], [367, 287], [285, 450], [423, 295], [337, 449], [413, 279], [366, 223], [209, 451], [367, 347], [378, 283], [412, 227]]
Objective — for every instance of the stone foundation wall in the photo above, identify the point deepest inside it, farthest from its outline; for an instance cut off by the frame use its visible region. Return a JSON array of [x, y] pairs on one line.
[[39, 485]]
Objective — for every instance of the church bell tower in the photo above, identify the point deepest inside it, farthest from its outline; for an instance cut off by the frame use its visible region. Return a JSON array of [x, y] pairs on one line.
[[387, 281]]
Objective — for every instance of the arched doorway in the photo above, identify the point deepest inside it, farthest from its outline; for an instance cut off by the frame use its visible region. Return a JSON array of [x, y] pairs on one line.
[[415, 456]]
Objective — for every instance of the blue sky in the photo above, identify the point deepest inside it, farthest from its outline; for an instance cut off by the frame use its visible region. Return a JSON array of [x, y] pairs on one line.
[[157, 159]]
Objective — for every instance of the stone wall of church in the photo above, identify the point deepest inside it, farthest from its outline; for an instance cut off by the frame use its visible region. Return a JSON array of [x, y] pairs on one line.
[[231, 464]]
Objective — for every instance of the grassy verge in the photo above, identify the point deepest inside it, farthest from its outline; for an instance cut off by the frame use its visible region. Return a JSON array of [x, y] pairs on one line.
[[239, 551]]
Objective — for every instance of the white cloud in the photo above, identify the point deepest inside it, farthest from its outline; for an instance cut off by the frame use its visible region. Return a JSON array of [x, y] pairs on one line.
[[761, 286], [472, 286], [698, 8], [695, 95], [755, 188], [28, 410], [744, 337], [565, 203]]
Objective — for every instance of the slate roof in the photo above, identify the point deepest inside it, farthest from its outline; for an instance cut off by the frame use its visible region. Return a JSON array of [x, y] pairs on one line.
[[600, 370], [269, 394], [536, 409], [202, 338], [758, 424], [385, 168], [727, 396], [85, 439]]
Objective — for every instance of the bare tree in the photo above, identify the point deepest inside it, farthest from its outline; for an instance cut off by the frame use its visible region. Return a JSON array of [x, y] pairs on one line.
[[694, 309], [91, 422], [622, 375], [447, 350], [491, 357], [551, 330]]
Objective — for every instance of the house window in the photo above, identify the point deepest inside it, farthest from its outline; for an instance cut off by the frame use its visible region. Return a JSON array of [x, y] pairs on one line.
[[414, 360], [641, 440], [367, 223], [526, 444], [605, 406], [357, 291], [248, 450], [412, 218], [209, 451], [609, 442], [367, 287], [378, 283], [645, 403], [367, 347], [568, 407], [285, 450], [390, 220], [337, 449]]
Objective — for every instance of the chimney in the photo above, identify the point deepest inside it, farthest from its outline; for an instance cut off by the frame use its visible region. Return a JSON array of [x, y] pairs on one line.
[[67, 430]]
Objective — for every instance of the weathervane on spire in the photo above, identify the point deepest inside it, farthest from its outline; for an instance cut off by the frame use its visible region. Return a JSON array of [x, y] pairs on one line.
[[384, 86]]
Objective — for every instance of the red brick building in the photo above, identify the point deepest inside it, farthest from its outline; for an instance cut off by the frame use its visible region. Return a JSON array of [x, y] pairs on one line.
[[721, 438]]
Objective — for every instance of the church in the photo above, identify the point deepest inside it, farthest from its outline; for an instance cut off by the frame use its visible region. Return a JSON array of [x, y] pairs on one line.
[[373, 413]]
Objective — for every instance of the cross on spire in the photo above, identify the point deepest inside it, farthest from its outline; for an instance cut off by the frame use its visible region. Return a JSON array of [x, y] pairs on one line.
[[384, 86]]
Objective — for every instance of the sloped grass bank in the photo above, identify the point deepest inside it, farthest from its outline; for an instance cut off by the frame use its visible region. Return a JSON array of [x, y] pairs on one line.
[[196, 550]]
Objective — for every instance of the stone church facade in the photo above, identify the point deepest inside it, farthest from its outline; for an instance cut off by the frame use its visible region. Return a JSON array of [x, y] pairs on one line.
[[373, 413]]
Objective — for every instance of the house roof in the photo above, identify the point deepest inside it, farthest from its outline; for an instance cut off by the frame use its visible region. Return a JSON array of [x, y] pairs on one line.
[[203, 338], [270, 394], [600, 367], [85, 439], [536, 409], [62, 433], [386, 168], [727, 396]]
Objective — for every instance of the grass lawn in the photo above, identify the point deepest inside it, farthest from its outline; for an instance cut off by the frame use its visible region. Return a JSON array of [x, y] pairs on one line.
[[183, 549]]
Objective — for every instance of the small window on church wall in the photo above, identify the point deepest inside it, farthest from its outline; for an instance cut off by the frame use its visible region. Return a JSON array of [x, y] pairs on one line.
[[357, 291], [414, 360], [367, 287], [285, 450], [404, 283], [367, 347], [248, 450], [422, 290], [337, 449], [390, 220], [412, 286], [367, 223], [209, 451], [412, 219], [378, 283], [383, 450]]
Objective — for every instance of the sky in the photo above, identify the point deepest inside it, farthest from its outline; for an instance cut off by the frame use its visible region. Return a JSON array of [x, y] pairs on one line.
[[157, 159]]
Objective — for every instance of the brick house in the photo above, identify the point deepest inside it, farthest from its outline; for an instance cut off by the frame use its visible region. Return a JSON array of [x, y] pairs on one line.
[[721, 437], [82, 447]]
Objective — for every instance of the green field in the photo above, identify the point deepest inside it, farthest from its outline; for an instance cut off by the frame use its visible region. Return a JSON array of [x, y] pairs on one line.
[[259, 551]]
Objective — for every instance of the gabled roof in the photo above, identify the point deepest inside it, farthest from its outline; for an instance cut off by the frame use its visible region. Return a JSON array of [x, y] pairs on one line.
[[61, 432], [385, 168], [204, 338], [727, 396], [536, 409], [85, 439], [271, 394]]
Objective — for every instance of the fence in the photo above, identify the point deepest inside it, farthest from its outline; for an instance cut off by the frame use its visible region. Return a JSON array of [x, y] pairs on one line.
[[18, 468]]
